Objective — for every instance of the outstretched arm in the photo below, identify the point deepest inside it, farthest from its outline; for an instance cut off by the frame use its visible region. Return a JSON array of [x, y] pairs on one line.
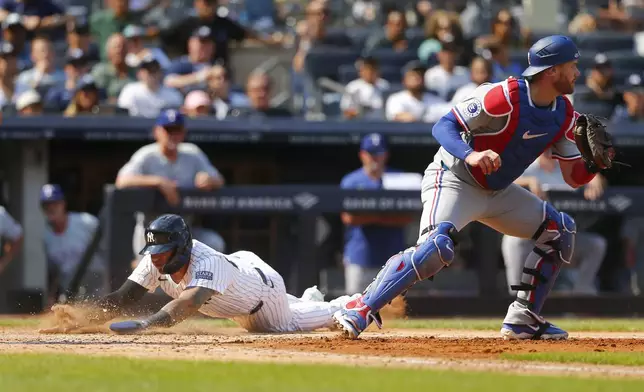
[[176, 311]]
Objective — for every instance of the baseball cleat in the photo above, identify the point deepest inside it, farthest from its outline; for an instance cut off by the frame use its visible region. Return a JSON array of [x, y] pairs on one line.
[[545, 331], [355, 317], [312, 294]]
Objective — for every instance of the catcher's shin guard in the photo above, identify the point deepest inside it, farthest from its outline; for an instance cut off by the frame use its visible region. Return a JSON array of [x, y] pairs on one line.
[[555, 243], [410, 266]]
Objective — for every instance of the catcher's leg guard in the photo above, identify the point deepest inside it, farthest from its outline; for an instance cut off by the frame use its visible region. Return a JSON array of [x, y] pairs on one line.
[[410, 266], [555, 243]]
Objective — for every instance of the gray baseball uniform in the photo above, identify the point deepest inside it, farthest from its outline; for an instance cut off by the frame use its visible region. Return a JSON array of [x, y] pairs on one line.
[[450, 191], [9, 228], [590, 248], [149, 160], [65, 250], [499, 117]]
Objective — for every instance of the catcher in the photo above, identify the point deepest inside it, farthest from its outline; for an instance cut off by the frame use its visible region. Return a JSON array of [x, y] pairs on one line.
[[486, 142], [239, 286]]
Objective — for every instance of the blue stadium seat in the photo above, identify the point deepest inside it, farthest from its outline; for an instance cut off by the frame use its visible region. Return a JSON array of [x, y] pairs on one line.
[[388, 57], [603, 41], [349, 73], [325, 61], [598, 108], [626, 60]]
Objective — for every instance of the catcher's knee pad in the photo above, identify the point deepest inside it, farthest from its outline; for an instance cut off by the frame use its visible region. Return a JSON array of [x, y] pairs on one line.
[[416, 263], [555, 244]]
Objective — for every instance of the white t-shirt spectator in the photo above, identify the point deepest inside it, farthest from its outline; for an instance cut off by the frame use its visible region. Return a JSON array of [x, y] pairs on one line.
[[429, 109], [443, 82], [140, 101], [464, 92], [235, 100], [360, 93]]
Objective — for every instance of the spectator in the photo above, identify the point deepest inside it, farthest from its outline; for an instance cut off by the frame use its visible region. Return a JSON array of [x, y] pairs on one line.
[[506, 29], [8, 72], [414, 104], [440, 26], [114, 74], [170, 164], [259, 89], [11, 238], [393, 36], [112, 20], [14, 32], [224, 30], [86, 98], [480, 72], [582, 24], [369, 236], [79, 37], [42, 16], [445, 77], [633, 108], [191, 71], [503, 65], [44, 74], [77, 65], [136, 49], [601, 87], [590, 248], [313, 32], [224, 99], [197, 104], [366, 94], [67, 237], [148, 97], [29, 103]]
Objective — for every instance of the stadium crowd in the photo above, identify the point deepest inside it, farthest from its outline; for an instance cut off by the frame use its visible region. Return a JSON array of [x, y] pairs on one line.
[[396, 61]]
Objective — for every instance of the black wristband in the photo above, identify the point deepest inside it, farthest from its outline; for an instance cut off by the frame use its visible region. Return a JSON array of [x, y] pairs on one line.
[[160, 319]]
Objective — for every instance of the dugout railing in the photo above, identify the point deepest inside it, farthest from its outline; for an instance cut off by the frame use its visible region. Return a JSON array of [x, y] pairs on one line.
[[305, 203]]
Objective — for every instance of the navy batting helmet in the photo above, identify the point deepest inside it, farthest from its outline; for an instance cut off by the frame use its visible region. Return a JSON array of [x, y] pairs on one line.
[[169, 233], [550, 51]]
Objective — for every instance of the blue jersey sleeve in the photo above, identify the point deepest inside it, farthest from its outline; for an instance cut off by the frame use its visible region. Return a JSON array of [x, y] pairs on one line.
[[447, 131]]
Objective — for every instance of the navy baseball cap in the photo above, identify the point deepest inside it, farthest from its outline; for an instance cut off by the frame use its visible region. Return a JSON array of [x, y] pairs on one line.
[[12, 20], [550, 51], [50, 193], [133, 31], [170, 118], [86, 82], [203, 32], [77, 57], [374, 144]]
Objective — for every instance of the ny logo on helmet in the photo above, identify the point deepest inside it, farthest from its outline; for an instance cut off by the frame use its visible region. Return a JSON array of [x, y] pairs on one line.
[[150, 237]]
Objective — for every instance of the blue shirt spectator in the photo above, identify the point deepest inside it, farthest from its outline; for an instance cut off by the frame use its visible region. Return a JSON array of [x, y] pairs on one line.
[[76, 65], [37, 15], [192, 71], [14, 32], [370, 238]]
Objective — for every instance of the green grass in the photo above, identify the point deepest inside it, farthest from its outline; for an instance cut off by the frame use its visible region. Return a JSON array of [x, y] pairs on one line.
[[570, 324], [18, 322], [69, 373], [479, 324], [596, 358]]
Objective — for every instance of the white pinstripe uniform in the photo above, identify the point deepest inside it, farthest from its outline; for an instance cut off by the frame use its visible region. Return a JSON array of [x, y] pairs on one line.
[[249, 291]]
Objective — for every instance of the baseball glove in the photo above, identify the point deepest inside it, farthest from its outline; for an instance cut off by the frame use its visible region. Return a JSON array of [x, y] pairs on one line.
[[594, 143]]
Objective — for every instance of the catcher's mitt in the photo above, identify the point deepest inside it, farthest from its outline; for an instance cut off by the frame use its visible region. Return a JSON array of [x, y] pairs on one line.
[[594, 143]]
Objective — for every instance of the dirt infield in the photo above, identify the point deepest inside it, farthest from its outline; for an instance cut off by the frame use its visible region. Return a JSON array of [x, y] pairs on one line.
[[463, 350]]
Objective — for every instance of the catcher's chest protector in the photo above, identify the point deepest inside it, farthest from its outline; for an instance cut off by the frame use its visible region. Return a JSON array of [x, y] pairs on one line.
[[528, 132]]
